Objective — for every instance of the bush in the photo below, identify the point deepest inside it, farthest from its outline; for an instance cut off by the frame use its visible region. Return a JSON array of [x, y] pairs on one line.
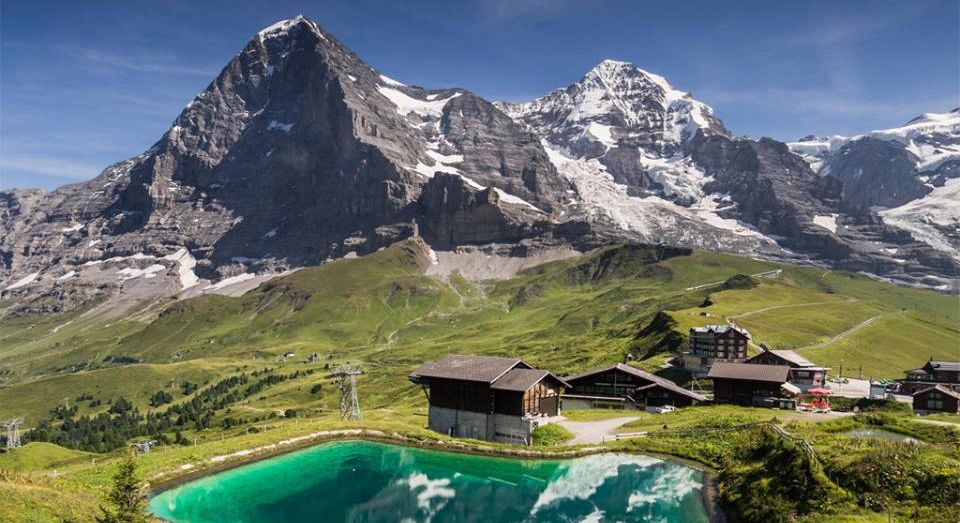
[[549, 435], [739, 281], [771, 479], [870, 405]]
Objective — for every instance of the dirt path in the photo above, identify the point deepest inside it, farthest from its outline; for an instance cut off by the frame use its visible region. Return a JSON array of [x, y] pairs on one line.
[[847, 332], [791, 305], [764, 274], [937, 422], [590, 432]]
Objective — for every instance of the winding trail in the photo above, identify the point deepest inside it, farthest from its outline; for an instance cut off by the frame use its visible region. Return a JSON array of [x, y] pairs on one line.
[[764, 274], [865, 323], [776, 307]]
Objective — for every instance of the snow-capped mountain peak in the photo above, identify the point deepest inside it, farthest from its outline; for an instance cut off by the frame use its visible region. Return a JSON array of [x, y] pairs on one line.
[[284, 26], [617, 104]]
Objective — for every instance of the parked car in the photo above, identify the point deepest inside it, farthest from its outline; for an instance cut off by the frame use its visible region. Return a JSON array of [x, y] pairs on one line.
[[662, 409]]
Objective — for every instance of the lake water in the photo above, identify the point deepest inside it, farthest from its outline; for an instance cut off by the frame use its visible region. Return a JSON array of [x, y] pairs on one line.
[[356, 481]]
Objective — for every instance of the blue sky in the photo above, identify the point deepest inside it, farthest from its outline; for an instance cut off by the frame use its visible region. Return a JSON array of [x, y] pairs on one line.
[[85, 84]]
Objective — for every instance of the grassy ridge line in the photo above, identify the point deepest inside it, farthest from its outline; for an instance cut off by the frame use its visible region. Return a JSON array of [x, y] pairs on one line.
[[382, 311]]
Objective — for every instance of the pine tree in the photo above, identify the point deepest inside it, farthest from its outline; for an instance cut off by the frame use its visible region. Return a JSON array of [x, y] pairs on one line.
[[127, 499]]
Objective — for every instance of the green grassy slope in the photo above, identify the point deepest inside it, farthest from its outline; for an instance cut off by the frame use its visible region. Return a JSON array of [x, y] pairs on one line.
[[382, 311]]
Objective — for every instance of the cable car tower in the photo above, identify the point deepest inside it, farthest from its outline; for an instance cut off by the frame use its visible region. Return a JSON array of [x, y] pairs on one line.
[[346, 376], [144, 447], [13, 432]]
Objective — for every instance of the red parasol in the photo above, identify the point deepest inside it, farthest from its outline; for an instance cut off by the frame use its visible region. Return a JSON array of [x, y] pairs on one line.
[[819, 390]]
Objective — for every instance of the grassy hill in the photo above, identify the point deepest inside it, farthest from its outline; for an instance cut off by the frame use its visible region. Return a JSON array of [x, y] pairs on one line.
[[383, 311]]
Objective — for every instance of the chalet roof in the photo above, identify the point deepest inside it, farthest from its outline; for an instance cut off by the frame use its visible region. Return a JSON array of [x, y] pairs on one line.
[[749, 372], [719, 329], [793, 357], [521, 380], [950, 366], [484, 369], [662, 382], [940, 388]]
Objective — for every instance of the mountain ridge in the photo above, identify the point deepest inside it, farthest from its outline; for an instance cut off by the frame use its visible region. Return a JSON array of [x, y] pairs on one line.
[[299, 152]]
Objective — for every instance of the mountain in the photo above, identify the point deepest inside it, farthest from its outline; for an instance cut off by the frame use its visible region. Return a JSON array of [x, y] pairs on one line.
[[298, 152], [908, 174], [652, 163]]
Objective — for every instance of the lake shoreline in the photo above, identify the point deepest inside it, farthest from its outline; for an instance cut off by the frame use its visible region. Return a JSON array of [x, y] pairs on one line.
[[709, 492]]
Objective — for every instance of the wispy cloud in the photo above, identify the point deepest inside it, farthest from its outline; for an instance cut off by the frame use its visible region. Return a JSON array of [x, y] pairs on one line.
[[830, 103], [47, 166], [141, 62], [503, 10]]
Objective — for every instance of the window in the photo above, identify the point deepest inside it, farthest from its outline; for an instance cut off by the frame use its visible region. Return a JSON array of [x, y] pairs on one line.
[[935, 404]]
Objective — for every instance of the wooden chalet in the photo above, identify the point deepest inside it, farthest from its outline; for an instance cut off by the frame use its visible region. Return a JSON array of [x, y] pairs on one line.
[[934, 372], [803, 372], [751, 384], [488, 398], [938, 398], [623, 386], [713, 343]]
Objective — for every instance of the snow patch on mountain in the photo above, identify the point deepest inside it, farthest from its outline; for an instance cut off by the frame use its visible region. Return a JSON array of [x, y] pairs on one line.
[[23, 282], [407, 104], [927, 218], [185, 265], [604, 201], [828, 222]]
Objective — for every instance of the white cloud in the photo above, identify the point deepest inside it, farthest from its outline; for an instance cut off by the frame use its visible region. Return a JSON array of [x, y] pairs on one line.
[[142, 62]]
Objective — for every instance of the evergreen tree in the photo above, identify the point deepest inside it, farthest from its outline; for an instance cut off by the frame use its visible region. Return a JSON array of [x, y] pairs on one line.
[[127, 499]]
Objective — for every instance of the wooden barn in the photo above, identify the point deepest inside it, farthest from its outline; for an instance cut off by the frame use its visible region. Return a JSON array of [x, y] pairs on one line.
[[488, 398], [623, 386], [750, 384], [938, 398], [803, 372]]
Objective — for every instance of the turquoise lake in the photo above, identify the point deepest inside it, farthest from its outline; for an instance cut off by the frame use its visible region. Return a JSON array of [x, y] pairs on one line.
[[357, 481]]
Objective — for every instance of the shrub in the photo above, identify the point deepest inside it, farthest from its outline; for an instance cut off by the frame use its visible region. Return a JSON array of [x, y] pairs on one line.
[[870, 405], [549, 435], [771, 479], [128, 503]]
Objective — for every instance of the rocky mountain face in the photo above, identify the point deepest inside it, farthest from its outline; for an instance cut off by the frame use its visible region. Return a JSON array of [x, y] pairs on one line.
[[909, 176], [298, 152]]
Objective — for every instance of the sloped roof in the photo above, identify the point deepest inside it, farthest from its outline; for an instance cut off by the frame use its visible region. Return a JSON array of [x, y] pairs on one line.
[[950, 366], [719, 329], [484, 369], [662, 382], [520, 380], [749, 372], [792, 357], [940, 388]]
